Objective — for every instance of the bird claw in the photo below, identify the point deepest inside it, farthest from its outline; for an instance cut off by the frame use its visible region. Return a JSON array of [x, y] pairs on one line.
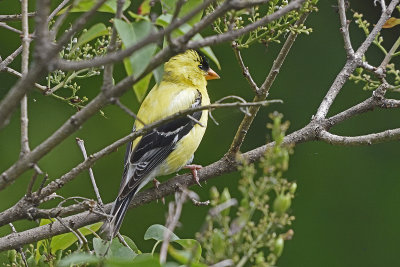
[[193, 169]]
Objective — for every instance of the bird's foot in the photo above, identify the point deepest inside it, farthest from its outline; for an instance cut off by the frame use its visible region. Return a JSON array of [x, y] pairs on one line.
[[193, 168], [156, 184]]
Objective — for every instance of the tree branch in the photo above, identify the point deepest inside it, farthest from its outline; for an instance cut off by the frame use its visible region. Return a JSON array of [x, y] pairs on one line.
[[4, 18], [264, 90], [345, 30], [351, 64], [24, 70], [367, 139]]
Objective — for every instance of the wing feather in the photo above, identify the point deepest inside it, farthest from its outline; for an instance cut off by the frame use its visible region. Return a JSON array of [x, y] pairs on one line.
[[154, 147]]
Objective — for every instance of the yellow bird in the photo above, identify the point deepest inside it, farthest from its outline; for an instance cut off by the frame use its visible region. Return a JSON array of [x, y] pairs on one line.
[[171, 146]]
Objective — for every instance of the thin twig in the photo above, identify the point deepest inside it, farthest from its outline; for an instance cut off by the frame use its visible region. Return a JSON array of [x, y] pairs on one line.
[[5, 26], [16, 73], [81, 238], [245, 70], [174, 213], [108, 69], [24, 70], [20, 249], [345, 29], [37, 171], [388, 56], [81, 145], [21, 165], [5, 18], [351, 64], [10, 58], [57, 9], [263, 91], [117, 102]]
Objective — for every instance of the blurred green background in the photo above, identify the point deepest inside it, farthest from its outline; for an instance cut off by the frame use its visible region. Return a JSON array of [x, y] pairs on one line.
[[347, 202]]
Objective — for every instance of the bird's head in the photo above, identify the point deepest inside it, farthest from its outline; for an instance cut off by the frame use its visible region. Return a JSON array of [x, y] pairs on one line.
[[191, 67]]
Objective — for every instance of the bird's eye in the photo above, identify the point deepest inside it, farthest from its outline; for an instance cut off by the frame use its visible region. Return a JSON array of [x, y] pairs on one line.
[[202, 67]]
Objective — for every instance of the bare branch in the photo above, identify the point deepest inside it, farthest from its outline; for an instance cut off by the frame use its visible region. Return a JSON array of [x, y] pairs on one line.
[[10, 58], [57, 9], [351, 64], [108, 69], [4, 18], [245, 70], [24, 204], [174, 213], [16, 73], [120, 55], [24, 70], [81, 145], [345, 29], [5, 26], [388, 56], [367, 139], [264, 90], [232, 35], [20, 250]]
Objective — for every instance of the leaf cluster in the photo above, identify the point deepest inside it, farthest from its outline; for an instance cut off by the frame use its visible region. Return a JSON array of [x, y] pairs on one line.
[[255, 236], [369, 80], [272, 32]]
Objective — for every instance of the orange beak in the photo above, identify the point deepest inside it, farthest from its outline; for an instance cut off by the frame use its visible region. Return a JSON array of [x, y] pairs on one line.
[[211, 75]]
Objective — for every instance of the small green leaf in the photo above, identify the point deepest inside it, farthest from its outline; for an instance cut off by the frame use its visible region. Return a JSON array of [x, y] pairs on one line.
[[141, 87], [169, 8], [66, 240], [95, 31], [156, 232], [130, 35], [85, 5], [78, 258], [100, 246], [131, 244], [191, 245], [184, 256], [114, 250], [119, 251], [158, 73], [138, 17]]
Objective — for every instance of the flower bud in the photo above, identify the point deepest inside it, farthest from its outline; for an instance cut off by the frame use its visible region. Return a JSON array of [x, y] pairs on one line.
[[282, 203]]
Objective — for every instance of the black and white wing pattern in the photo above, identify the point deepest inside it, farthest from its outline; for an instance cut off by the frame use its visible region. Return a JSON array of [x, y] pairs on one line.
[[152, 149], [155, 146]]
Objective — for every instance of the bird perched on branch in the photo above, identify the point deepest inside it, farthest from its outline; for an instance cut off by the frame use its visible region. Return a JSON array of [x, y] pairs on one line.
[[171, 146]]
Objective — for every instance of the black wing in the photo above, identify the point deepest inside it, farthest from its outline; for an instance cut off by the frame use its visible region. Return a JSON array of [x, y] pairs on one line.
[[154, 148]]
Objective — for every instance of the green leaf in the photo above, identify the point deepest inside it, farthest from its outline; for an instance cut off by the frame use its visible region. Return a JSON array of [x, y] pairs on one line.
[[168, 7], [191, 245], [85, 5], [119, 251], [158, 73], [141, 87], [66, 240], [138, 62], [78, 258], [165, 19], [100, 246], [131, 244], [142, 260], [138, 17], [115, 250], [156, 232], [95, 31], [184, 257]]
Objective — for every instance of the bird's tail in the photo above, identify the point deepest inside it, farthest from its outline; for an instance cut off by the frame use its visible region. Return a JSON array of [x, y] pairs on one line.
[[111, 225]]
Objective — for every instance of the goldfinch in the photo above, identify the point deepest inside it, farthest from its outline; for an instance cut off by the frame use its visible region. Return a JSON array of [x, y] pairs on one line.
[[171, 146]]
